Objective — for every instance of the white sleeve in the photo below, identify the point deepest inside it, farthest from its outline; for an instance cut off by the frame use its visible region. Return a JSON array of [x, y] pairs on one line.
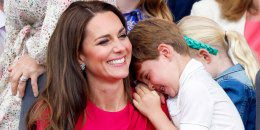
[[196, 107]]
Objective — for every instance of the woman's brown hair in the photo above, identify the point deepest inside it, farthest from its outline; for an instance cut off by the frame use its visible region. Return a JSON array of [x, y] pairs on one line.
[[67, 92], [233, 10]]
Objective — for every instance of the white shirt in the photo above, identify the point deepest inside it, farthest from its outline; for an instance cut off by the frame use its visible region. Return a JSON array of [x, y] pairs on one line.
[[201, 104], [2, 31]]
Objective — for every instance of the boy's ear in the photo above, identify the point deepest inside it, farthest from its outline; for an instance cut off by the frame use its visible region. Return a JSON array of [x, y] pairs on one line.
[[204, 55], [165, 50]]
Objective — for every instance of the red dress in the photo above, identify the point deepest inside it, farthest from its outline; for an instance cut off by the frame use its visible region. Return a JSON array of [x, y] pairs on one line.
[[97, 119]]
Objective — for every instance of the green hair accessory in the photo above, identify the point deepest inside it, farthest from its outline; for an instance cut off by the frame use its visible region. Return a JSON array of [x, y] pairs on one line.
[[198, 45]]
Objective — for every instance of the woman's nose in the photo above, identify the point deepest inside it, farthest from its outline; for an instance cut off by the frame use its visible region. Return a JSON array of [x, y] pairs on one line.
[[119, 46]]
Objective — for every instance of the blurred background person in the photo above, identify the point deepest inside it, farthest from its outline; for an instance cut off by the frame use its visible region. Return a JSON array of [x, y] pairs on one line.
[[240, 15], [136, 10]]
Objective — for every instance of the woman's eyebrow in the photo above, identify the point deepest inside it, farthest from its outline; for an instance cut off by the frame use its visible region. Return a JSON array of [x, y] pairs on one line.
[[121, 30], [106, 35]]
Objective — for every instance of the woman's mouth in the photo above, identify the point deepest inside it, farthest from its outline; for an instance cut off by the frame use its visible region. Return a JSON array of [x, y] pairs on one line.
[[117, 61]]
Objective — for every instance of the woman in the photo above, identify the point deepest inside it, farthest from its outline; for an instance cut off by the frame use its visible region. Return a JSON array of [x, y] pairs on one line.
[[29, 26], [99, 93], [134, 11]]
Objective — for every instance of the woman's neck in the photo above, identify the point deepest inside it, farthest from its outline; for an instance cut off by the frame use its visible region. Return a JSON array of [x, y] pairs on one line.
[[126, 6], [108, 96]]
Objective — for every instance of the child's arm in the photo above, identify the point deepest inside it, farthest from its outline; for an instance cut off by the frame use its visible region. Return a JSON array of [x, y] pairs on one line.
[[148, 103]]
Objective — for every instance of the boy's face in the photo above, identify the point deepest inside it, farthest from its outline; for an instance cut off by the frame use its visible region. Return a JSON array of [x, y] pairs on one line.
[[160, 74]]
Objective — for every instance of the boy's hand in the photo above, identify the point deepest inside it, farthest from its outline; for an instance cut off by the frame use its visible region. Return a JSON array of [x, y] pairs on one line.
[[146, 101]]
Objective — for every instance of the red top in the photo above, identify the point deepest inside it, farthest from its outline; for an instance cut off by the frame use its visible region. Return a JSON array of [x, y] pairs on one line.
[[252, 35], [97, 119]]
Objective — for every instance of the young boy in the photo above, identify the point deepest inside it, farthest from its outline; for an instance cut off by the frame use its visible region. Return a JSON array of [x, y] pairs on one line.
[[161, 60]]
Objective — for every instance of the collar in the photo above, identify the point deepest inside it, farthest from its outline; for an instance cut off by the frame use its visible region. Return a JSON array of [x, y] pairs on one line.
[[2, 19], [232, 69], [192, 66]]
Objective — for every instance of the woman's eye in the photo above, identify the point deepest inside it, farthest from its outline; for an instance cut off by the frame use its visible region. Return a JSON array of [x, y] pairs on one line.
[[103, 42], [123, 36]]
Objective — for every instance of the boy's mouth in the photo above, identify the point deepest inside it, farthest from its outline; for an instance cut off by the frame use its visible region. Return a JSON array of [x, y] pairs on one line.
[[162, 89]]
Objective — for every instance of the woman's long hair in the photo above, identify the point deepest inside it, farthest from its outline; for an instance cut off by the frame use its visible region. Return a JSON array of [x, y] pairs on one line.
[[67, 92], [156, 8], [231, 42]]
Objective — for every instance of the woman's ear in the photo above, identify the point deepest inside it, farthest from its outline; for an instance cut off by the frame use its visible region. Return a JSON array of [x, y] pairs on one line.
[[82, 59], [165, 50], [205, 56]]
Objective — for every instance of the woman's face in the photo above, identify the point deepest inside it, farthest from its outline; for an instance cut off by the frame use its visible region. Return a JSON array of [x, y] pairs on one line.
[[106, 48]]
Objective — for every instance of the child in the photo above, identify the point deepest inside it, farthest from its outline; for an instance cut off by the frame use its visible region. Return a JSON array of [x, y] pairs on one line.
[[234, 67], [162, 61]]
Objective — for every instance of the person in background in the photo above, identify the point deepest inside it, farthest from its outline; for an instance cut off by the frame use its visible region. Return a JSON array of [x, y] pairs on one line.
[[240, 15], [86, 89], [136, 10], [234, 66], [162, 61], [2, 28], [180, 8]]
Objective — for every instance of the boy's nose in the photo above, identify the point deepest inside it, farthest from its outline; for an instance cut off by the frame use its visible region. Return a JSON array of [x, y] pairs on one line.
[[151, 86]]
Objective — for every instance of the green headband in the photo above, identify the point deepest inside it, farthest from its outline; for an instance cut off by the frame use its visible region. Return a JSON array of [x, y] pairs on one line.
[[198, 45]]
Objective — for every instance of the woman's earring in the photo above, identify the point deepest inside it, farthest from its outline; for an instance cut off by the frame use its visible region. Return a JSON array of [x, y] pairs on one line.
[[82, 66]]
